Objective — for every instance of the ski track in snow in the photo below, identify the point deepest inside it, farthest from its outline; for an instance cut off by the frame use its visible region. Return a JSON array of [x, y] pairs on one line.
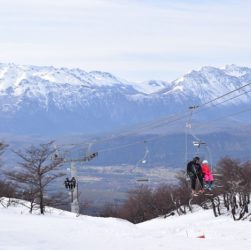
[[63, 230]]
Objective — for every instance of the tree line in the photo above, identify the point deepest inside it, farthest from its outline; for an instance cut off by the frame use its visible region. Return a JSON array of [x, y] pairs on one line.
[[231, 195], [34, 179]]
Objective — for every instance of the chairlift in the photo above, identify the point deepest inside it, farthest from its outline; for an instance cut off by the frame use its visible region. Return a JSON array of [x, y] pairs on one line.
[[199, 146], [56, 156], [198, 143], [143, 161]]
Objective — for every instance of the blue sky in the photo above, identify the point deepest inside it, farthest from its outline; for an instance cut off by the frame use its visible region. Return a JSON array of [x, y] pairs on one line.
[[133, 39]]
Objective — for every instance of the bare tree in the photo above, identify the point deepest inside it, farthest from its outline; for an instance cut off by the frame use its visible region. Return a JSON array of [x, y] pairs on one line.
[[6, 190], [163, 199], [3, 146], [111, 210], [37, 169], [236, 181], [182, 193], [140, 205]]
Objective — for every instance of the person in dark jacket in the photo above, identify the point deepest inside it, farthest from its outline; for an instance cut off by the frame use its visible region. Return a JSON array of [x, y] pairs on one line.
[[194, 172], [73, 180], [67, 183]]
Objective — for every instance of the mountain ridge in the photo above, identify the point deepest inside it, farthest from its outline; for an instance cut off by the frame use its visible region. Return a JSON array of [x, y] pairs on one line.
[[45, 99]]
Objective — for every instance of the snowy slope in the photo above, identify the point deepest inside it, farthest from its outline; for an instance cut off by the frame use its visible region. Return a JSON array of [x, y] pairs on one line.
[[60, 230]]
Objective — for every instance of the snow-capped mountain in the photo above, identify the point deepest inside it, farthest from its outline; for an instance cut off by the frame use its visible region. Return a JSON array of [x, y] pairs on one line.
[[48, 100], [18, 78], [209, 83]]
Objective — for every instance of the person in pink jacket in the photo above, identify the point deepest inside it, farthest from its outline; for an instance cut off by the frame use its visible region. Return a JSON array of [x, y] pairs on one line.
[[208, 177]]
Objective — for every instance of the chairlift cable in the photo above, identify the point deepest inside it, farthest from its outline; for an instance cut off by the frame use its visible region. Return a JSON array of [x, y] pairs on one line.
[[181, 115], [164, 121], [220, 118], [174, 121], [189, 126], [228, 93], [225, 116], [229, 99], [186, 114], [168, 119]]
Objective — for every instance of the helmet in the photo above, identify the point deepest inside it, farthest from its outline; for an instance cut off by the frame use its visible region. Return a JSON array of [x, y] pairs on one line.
[[204, 162]]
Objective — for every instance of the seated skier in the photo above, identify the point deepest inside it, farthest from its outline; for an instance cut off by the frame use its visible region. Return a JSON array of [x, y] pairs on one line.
[[67, 183], [208, 177], [194, 172]]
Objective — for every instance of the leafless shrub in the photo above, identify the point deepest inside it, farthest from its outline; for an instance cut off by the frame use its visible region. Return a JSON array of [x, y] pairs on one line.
[[235, 181], [37, 170]]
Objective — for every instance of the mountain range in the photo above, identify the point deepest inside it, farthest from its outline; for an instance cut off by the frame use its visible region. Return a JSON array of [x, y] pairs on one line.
[[54, 101], [49, 102]]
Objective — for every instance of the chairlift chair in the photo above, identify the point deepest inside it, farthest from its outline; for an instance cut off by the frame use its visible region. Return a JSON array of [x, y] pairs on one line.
[[196, 142], [142, 162]]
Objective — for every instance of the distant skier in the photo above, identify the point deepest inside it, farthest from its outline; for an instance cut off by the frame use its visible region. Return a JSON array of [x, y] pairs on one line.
[[208, 177], [194, 172]]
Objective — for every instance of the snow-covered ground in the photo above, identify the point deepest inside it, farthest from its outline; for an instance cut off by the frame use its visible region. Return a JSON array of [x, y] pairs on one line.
[[58, 230]]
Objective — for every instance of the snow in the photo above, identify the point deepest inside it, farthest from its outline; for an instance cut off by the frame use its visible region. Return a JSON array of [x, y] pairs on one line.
[[210, 82], [236, 71], [178, 88], [60, 230], [38, 82], [181, 79], [56, 91], [11, 75], [152, 86]]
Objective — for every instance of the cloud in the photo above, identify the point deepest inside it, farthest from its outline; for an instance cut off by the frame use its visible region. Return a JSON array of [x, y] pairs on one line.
[[125, 36]]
